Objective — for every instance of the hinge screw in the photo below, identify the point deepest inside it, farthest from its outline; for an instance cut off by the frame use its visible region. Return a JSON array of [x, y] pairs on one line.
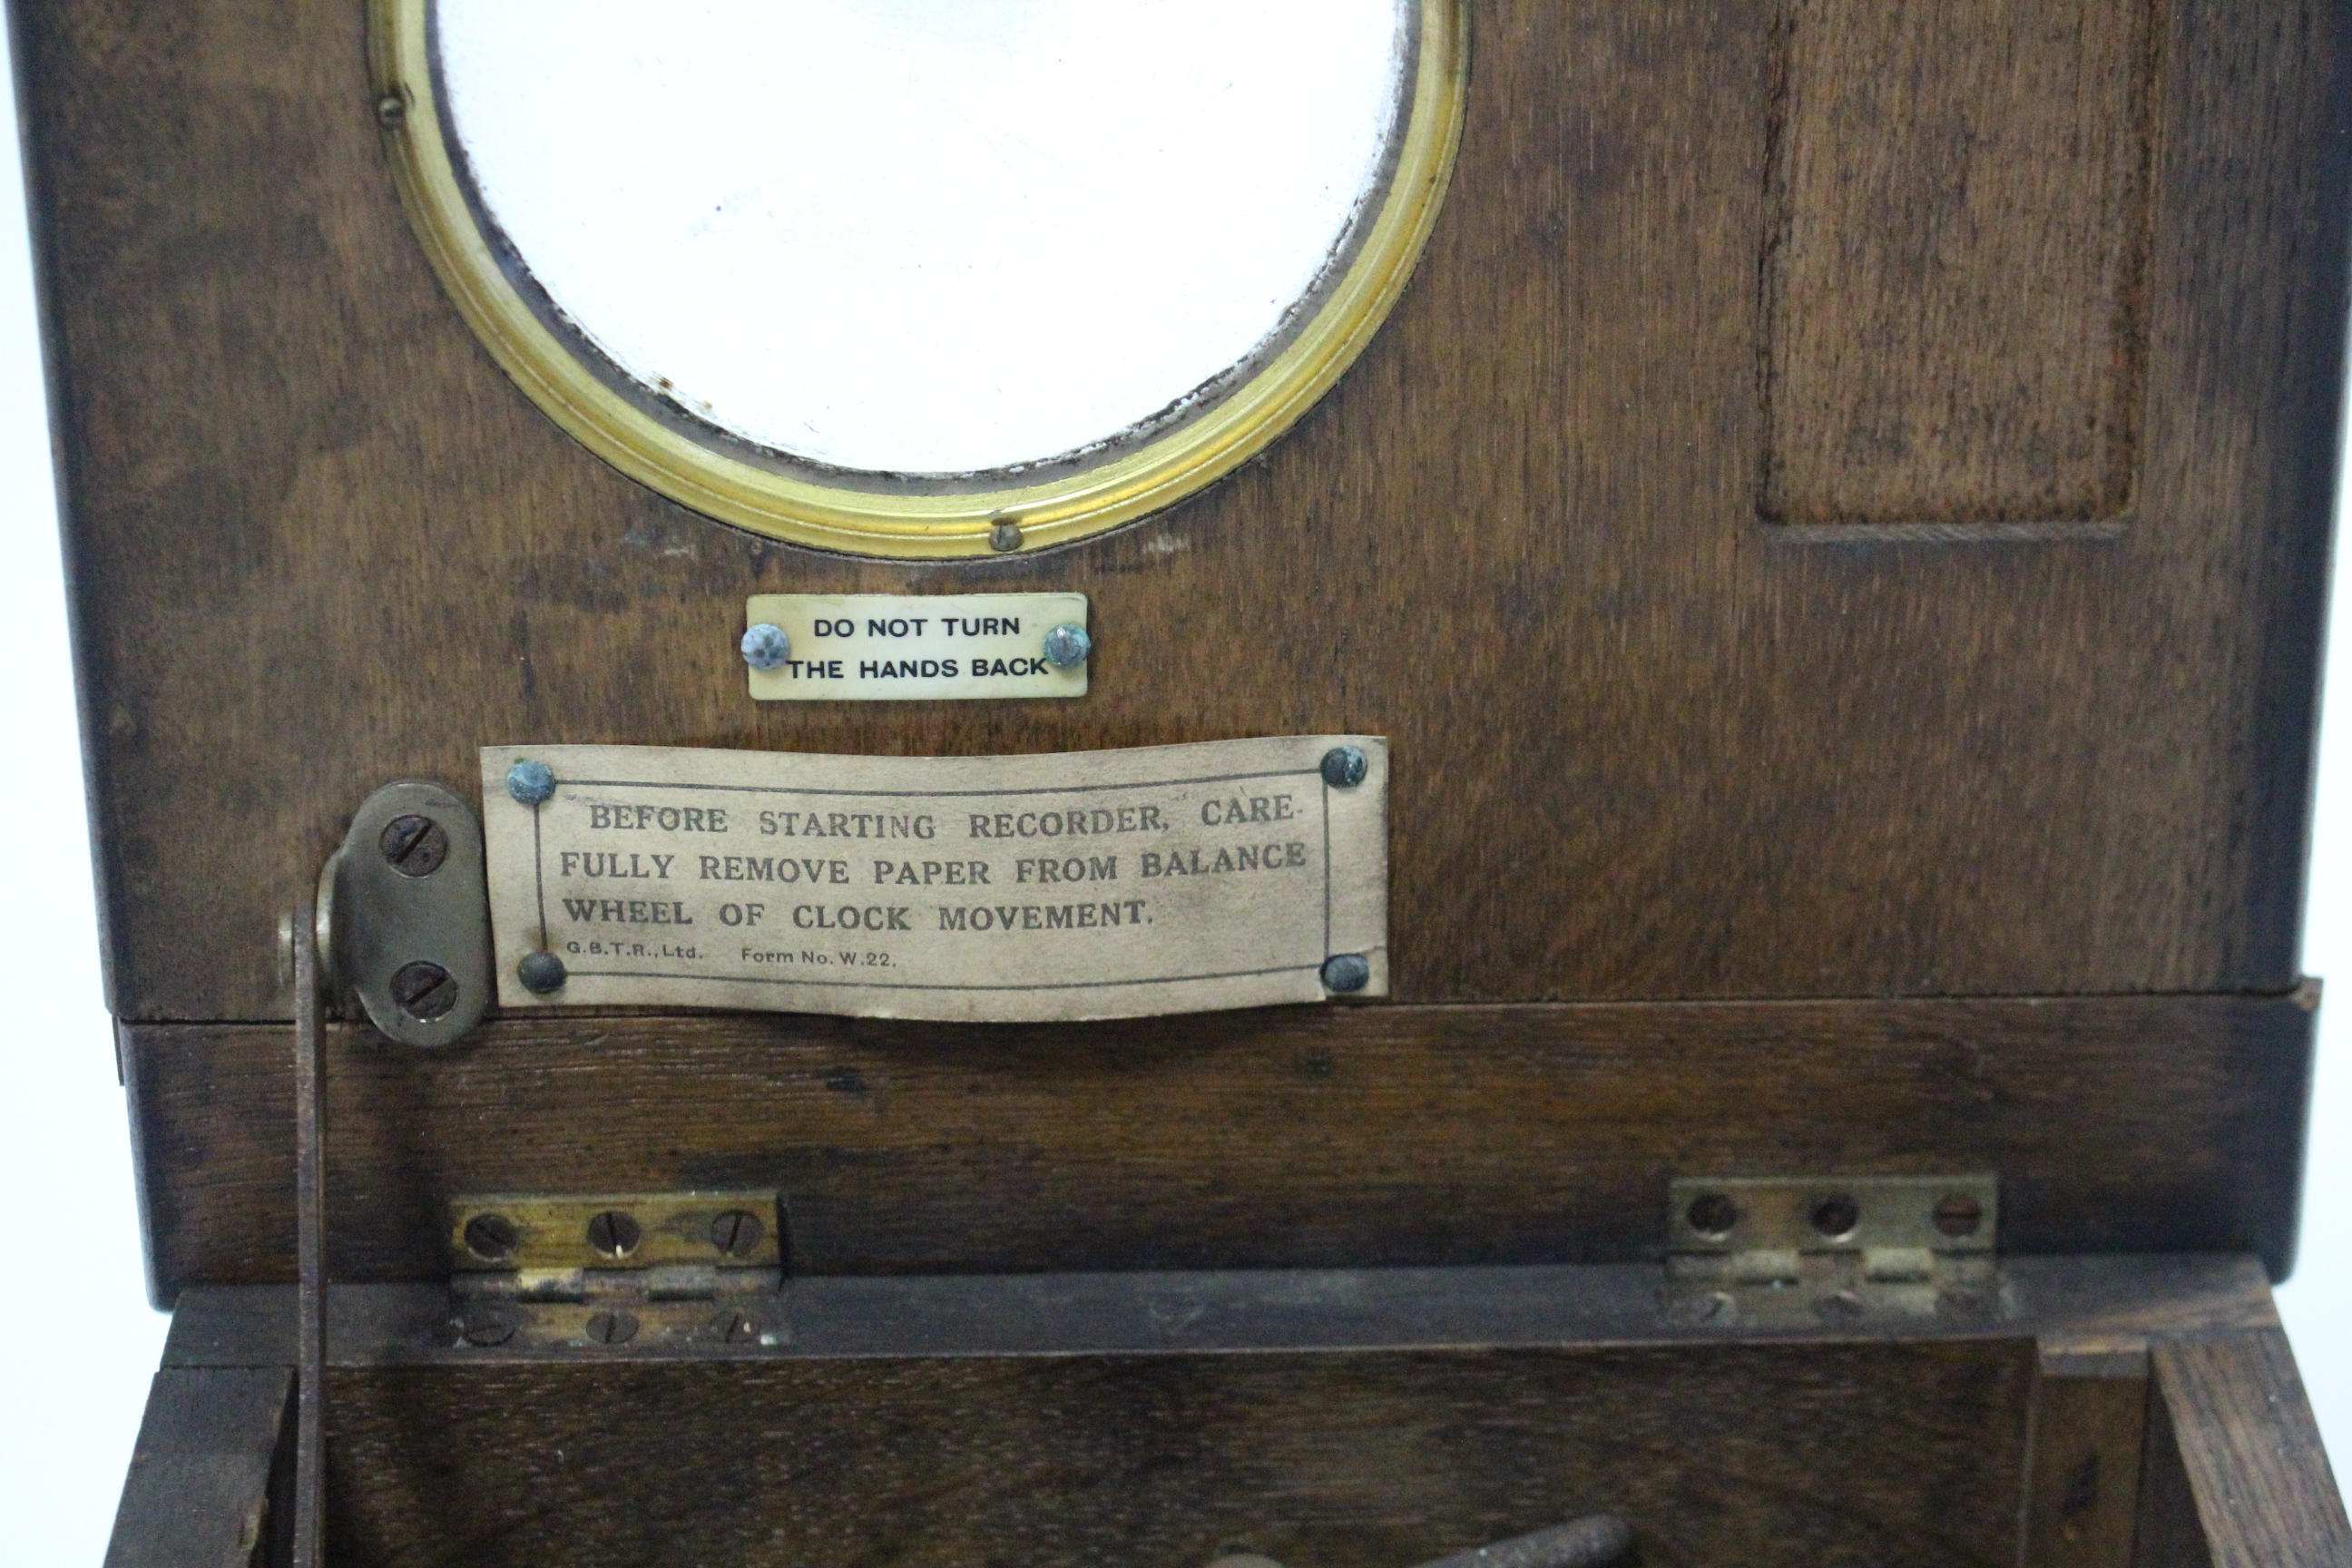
[[414, 846], [1344, 767], [425, 991], [486, 1329], [1836, 1217], [1713, 1215], [613, 1234], [491, 1237], [392, 111], [736, 1233], [613, 1328], [1840, 1305], [1960, 1215], [1004, 538], [737, 1328]]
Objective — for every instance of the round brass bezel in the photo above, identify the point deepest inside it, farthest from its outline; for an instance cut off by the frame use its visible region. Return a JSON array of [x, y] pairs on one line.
[[802, 510]]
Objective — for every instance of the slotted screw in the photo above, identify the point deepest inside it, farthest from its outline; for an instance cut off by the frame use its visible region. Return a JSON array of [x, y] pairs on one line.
[[1959, 1215], [613, 1234], [613, 1328], [492, 1236], [414, 846], [425, 991], [1836, 1216], [486, 1329], [1713, 1214], [737, 1232], [736, 1327]]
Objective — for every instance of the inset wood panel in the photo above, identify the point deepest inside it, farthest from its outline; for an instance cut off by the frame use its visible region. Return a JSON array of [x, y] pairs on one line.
[[1954, 284]]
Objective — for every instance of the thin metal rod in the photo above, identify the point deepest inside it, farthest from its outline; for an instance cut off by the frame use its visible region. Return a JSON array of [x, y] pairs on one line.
[[311, 1240]]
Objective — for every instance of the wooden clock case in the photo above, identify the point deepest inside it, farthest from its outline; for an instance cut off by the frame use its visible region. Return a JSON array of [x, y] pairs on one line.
[[1835, 533]]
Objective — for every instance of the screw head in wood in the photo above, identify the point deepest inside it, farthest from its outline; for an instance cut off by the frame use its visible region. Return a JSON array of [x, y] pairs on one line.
[[414, 846], [542, 974], [767, 647], [529, 782], [424, 991], [1344, 767]]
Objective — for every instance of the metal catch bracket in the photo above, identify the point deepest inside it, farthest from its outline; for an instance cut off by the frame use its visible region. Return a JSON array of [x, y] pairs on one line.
[[1813, 1251], [700, 1270], [405, 915]]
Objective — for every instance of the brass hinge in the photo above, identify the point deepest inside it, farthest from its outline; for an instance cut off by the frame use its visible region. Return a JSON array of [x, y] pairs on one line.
[[1823, 1250], [669, 1270]]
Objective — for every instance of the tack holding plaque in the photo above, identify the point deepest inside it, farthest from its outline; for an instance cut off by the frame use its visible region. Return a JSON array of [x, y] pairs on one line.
[[1081, 885]]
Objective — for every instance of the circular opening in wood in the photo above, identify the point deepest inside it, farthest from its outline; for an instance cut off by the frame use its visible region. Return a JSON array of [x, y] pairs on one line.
[[886, 277]]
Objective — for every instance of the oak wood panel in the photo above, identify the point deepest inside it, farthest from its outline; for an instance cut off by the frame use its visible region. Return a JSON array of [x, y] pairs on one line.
[[2167, 1532], [198, 1495], [2250, 1450], [1886, 1456], [1288, 1138], [1956, 263], [2084, 1449], [1644, 748]]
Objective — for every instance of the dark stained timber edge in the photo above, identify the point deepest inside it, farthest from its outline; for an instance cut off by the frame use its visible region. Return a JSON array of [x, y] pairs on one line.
[[199, 1490], [1285, 1139]]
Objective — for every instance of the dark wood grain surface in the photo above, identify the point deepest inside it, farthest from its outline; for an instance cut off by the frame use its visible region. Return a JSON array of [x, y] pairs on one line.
[[1646, 745], [1107, 1418], [198, 1495], [1287, 1138], [1956, 274], [1884, 1456], [2249, 1451], [2084, 1445], [2118, 1301]]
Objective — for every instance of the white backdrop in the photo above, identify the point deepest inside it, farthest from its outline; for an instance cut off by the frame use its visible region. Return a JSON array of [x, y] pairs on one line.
[[72, 1387]]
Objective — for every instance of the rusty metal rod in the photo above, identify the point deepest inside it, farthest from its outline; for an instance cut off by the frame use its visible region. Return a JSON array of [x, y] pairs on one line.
[[310, 1241]]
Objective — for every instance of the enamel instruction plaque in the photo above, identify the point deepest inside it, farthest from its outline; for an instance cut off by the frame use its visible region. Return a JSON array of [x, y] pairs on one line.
[[1082, 885], [896, 647]]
